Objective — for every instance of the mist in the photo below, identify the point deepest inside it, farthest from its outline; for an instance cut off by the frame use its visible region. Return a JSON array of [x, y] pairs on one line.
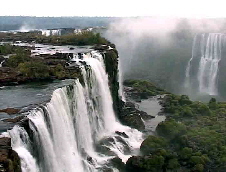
[[158, 49]]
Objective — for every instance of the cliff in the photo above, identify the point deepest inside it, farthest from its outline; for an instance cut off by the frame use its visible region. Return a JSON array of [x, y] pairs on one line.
[[9, 159]]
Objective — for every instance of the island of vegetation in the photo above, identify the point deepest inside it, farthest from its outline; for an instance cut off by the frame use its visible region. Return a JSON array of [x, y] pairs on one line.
[[192, 138], [21, 67]]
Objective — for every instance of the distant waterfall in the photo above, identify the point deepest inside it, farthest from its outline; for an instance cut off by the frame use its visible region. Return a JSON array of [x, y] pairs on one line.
[[66, 130], [187, 74], [51, 32], [207, 48]]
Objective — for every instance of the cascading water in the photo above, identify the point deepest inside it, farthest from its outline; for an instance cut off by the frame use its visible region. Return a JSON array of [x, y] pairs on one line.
[[187, 73], [209, 53], [2, 63], [66, 131], [52, 32]]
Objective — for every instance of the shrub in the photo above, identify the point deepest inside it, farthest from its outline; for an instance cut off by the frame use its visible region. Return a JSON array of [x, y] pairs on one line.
[[20, 57], [35, 70], [170, 129], [152, 143], [59, 71]]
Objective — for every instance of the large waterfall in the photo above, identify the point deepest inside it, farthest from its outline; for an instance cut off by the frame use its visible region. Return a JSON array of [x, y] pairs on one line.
[[67, 130], [207, 52]]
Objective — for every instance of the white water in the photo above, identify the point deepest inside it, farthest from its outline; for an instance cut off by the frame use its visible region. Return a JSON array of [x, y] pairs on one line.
[[66, 130], [52, 32], [188, 68], [20, 144], [1, 63], [210, 54], [121, 89]]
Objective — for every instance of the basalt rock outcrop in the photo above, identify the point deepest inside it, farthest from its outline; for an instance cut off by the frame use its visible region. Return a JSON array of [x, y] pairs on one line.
[[9, 159], [10, 111]]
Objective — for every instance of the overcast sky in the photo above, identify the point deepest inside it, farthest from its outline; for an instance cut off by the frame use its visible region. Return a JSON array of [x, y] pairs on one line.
[[171, 8]]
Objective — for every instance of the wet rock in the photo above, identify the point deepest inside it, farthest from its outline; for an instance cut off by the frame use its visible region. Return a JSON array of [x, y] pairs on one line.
[[145, 116], [126, 148], [103, 146], [100, 47], [9, 159], [130, 116], [130, 104], [10, 111], [117, 162], [90, 160], [1, 59], [8, 75], [134, 121], [14, 120], [123, 134], [5, 142], [80, 56]]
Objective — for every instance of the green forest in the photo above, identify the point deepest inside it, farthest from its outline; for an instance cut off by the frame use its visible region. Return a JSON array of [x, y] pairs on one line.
[[192, 138]]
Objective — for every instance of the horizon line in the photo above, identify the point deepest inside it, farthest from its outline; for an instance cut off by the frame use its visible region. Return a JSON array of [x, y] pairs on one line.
[[178, 17]]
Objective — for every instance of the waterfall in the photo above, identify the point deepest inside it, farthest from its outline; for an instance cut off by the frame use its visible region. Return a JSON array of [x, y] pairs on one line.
[[2, 63], [121, 91], [209, 52], [51, 32], [46, 32], [21, 145], [66, 130], [187, 73]]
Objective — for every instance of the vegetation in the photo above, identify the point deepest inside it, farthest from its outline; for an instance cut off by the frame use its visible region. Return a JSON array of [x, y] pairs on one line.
[[79, 39], [26, 67], [205, 128], [144, 88], [34, 68], [192, 138], [6, 49], [14, 60]]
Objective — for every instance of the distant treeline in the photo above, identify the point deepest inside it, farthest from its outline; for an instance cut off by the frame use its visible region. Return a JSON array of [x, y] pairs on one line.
[[26, 22]]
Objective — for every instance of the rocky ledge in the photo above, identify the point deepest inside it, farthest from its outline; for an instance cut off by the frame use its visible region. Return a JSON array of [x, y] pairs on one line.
[[9, 159], [131, 116], [136, 91]]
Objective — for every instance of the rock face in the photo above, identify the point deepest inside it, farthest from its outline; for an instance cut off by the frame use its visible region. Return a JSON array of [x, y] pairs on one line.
[[9, 76], [126, 112], [9, 159], [111, 63], [131, 116], [10, 111], [14, 120]]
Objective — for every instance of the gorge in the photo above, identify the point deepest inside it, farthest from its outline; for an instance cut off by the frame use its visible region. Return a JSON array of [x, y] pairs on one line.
[[78, 128], [69, 103]]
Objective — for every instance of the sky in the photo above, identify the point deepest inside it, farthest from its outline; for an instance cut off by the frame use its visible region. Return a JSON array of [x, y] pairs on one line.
[[118, 8]]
